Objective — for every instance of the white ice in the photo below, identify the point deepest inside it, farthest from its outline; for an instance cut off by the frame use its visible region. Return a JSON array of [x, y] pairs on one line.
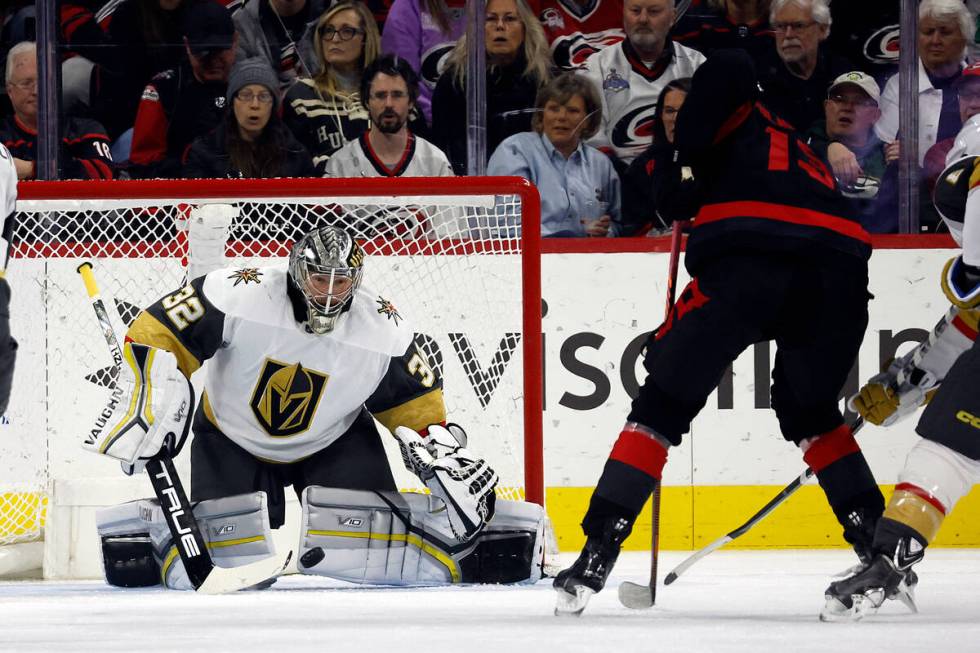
[[731, 601]]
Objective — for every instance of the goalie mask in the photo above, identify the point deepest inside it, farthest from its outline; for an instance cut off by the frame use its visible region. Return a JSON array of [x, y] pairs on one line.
[[325, 268]]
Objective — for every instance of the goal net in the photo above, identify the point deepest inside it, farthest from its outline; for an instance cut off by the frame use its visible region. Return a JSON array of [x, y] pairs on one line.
[[457, 257]]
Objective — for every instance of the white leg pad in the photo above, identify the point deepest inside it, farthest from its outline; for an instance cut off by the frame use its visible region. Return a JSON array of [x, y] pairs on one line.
[[393, 538], [940, 471], [236, 529]]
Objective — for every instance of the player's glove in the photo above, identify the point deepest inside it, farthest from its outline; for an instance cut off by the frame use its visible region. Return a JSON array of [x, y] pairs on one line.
[[464, 482], [149, 409], [894, 394]]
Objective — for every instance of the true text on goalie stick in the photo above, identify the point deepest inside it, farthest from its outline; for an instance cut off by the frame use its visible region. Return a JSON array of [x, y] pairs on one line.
[[200, 568]]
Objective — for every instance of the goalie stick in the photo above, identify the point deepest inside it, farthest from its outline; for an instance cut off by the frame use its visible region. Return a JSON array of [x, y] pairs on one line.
[[637, 595], [204, 575], [784, 494]]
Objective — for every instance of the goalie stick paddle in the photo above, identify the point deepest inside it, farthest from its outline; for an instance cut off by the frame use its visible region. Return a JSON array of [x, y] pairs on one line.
[[193, 550], [637, 595], [784, 494]]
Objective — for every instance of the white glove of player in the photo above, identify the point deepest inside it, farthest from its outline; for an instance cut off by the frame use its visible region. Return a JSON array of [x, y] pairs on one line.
[[464, 482], [149, 409]]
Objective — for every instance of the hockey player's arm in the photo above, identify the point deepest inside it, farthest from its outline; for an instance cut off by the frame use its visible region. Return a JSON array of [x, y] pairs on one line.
[[961, 276], [723, 90], [910, 381], [184, 323], [410, 394]]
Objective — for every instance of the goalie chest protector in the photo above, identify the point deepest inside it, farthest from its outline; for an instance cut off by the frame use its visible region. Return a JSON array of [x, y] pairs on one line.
[[281, 393]]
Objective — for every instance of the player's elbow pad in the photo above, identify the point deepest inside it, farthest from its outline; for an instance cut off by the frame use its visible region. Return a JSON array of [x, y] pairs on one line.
[[961, 283]]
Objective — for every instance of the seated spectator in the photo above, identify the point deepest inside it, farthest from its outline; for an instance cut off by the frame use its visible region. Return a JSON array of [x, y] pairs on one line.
[[84, 151], [424, 32], [325, 112], [730, 24], [580, 192], [180, 104], [631, 76], [863, 166], [795, 81], [577, 29], [518, 65], [967, 87], [281, 32], [143, 39], [656, 191], [389, 148], [251, 141], [944, 30]]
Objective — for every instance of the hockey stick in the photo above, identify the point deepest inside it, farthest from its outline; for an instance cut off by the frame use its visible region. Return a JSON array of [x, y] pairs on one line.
[[636, 595], [201, 570], [784, 494]]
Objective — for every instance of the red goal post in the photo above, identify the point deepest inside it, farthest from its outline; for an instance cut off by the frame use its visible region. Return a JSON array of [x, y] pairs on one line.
[[460, 255]]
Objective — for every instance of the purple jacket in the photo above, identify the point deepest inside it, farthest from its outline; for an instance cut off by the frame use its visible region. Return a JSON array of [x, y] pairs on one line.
[[411, 33]]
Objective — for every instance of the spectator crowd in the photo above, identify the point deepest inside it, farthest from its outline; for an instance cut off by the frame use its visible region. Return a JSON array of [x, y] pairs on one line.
[[581, 95]]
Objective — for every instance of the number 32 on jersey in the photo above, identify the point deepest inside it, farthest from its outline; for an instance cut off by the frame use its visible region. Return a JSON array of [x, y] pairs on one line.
[[183, 308]]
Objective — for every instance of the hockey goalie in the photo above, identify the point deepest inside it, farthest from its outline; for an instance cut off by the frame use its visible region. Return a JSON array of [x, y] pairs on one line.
[[304, 359]]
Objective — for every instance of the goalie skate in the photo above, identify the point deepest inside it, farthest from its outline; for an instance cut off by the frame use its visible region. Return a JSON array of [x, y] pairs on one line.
[[572, 599]]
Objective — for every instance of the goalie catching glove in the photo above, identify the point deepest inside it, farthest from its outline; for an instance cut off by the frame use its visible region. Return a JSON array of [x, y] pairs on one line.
[[464, 482], [149, 409]]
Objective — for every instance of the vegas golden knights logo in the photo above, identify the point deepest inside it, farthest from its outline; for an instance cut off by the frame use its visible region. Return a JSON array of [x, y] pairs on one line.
[[286, 397]]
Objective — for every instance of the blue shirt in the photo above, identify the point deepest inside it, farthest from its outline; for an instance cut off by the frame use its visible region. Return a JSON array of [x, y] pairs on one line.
[[571, 189]]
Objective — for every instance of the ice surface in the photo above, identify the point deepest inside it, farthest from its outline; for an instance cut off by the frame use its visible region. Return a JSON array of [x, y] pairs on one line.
[[731, 601]]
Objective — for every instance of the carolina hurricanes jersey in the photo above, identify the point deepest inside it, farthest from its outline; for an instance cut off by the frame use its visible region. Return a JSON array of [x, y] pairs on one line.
[[577, 32], [278, 392], [358, 159], [629, 91]]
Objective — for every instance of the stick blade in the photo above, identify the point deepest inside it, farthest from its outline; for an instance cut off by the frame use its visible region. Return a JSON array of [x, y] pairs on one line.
[[222, 580], [636, 596]]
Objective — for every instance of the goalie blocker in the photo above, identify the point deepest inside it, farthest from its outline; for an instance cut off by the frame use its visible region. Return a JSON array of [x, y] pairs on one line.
[[368, 537]]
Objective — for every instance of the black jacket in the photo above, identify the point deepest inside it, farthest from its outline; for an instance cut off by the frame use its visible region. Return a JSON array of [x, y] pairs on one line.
[[208, 157], [795, 100], [510, 107]]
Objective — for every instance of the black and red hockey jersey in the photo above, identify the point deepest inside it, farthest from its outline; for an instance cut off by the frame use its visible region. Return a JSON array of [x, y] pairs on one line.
[[764, 189], [84, 152]]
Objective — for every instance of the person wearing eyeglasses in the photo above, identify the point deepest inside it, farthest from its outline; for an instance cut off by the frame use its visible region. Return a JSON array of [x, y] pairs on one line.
[[795, 80], [84, 151], [282, 33], [251, 141], [389, 148], [865, 168], [326, 111], [518, 62]]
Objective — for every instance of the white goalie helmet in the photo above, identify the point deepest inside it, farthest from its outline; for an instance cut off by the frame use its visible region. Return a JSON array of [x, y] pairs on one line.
[[325, 269]]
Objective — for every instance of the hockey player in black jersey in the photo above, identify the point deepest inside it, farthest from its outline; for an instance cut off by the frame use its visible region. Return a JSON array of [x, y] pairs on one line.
[[773, 255]]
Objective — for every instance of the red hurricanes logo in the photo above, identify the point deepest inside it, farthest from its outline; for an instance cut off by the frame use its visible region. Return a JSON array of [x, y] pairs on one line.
[[571, 51], [635, 129], [882, 46]]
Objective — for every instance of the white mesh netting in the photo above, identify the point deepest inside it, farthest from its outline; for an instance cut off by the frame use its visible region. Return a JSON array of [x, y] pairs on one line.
[[451, 261]]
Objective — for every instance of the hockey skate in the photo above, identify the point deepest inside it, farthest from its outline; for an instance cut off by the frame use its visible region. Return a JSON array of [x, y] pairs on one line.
[[863, 592], [588, 574]]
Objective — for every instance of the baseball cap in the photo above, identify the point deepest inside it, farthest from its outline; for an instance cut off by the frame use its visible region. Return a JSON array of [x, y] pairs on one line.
[[863, 81], [208, 28], [970, 74]]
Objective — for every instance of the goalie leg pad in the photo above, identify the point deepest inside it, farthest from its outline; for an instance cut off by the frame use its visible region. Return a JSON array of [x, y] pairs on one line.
[[375, 537], [393, 538], [235, 528]]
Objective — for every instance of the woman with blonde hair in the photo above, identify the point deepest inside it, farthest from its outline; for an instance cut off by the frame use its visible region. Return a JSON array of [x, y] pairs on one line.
[[518, 62], [325, 111]]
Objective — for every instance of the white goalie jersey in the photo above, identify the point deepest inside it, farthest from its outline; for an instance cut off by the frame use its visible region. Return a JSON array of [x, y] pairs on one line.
[[278, 392]]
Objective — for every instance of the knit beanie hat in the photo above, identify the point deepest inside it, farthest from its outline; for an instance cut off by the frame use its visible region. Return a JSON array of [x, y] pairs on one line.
[[253, 71]]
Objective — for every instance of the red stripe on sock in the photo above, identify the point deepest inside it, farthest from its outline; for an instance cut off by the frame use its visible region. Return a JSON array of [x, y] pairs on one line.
[[922, 494], [831, 447], [639, 450]]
